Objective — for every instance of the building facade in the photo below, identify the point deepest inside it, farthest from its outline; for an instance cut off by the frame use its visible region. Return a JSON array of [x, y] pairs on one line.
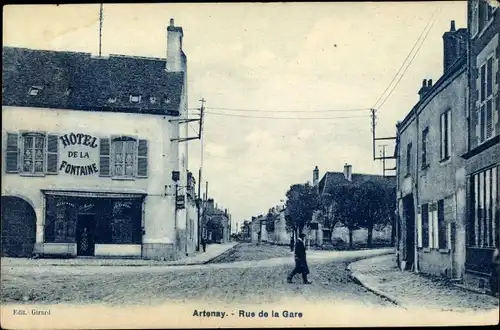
[[216, 223], [482, 157], [92, 164], [431, 178]]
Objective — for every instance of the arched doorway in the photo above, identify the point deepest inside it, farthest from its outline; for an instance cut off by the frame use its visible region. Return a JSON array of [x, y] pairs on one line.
[[18, 227]]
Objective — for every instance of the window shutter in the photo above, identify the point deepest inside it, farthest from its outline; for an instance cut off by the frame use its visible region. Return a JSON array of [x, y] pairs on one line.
[[104, 157], [52, 153], [142, 158], [12, 153], [419, 227]]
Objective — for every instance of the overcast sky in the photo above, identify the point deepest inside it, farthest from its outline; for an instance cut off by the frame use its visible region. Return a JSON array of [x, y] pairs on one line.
[[270, 57]]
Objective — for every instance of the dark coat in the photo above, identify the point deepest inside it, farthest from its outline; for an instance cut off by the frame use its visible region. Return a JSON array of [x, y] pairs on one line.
[[300, 258]]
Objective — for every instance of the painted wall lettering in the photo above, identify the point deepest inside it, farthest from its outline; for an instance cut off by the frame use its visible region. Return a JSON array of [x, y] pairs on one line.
[[79, 154]]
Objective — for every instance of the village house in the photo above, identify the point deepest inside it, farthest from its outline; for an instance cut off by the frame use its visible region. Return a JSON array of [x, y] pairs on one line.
[[482, 153], [319, 234], [216, 223], [92, 164], [431, 189]]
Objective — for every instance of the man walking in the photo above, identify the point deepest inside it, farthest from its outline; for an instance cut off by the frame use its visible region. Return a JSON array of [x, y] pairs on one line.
[[300, 260], [292, 243]]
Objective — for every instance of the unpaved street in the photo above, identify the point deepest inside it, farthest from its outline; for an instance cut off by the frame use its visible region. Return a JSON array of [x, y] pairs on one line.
[[243, 281]]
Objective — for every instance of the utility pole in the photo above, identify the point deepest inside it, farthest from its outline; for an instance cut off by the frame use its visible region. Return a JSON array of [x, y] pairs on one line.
[[100, 29], [202, 109], [373, 130], [383, 158]]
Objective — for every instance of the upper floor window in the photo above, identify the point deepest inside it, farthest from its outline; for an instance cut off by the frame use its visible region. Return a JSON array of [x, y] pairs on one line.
[[425, 137], [135, 99], [123, 157], [445, 133], [32, 153], [486, 101], [408, 158], [481, 14], [34, 90]]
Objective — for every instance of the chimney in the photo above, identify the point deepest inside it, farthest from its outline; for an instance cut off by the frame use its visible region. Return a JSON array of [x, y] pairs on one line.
[[210, 204], [426, 86], [315, 176], [348, 172], [454, 45], [175, 56]]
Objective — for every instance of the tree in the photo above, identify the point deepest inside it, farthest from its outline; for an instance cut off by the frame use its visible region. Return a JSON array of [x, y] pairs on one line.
[[327, 216], [302, 201], [270, 222], [375, 201], [343, 205]]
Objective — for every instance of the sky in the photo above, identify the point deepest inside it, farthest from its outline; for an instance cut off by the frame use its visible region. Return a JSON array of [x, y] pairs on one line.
[[277, 57]]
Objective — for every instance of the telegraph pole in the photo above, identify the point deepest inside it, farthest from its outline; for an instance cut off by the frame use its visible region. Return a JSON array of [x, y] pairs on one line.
[[373, 130], [383, 158], [100, 29], [202, 109]]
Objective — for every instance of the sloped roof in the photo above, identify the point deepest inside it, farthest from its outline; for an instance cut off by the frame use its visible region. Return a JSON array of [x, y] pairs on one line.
[[71, 80], [330, 179]]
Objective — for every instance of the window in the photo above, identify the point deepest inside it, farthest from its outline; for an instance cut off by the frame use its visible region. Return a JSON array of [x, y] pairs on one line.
[[408, 159], [486, 101], [112, 100], [485, 14], [123, 157], [135, 99], [31, 153], [425, 136], [425, 225], [34, 90], [484, 218], [445, 124]]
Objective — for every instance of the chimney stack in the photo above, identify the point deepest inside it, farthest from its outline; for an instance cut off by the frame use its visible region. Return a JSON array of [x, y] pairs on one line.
[[176, 60], [348, 172], [315, 176], [454, 45], [426, 86]]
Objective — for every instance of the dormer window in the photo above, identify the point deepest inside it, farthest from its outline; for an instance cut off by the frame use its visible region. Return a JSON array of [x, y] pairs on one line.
[[167, 100], [152, 100], [135, 99], [35, 90], [112, 100]]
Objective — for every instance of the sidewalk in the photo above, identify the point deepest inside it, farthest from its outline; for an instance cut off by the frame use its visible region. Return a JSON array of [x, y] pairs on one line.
[[409, 290], [213, 251]]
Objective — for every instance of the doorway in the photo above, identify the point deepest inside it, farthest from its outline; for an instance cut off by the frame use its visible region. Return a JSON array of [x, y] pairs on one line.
[[85, 234], [409, 219]]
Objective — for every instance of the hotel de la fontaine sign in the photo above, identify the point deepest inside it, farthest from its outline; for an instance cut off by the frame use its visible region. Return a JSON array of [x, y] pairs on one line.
[[79, 154]]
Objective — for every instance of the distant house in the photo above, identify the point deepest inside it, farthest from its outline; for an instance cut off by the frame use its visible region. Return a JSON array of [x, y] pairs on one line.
[[216, 221], [318, 233]]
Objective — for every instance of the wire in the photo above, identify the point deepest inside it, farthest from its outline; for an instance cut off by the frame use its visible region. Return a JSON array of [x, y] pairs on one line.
[[286, 111], [285, 118], [424, 33]]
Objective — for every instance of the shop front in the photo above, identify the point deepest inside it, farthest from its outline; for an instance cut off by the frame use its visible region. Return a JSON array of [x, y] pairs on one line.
[[93, 224]]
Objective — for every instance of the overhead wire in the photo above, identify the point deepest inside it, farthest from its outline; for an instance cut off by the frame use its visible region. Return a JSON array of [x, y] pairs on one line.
[[425, 33]]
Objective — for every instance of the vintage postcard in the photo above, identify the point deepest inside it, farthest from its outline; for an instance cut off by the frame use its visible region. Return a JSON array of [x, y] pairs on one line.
[[222, 165]]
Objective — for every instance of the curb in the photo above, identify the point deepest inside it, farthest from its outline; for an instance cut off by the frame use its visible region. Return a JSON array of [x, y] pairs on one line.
[[356, 279], [210, 260]]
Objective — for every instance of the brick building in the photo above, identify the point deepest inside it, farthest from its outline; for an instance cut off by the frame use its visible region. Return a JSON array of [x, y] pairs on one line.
[[90, 145]]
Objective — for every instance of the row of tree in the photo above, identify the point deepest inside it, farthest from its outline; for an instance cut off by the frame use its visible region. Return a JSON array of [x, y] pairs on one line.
[[355, 205]]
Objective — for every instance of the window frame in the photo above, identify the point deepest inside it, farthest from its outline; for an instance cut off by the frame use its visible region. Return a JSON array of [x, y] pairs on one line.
[[126, 138], [485, 98], [409, 164], [424, 152], [21, 139], [445, 135]]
